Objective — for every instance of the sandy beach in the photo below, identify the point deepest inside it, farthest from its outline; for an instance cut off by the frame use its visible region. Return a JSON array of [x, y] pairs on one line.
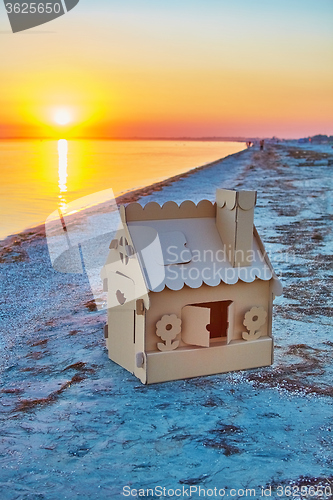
[[74, 424]]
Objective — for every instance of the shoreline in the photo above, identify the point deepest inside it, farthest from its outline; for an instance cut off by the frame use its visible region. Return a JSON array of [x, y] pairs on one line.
[[131, 196], [137, 193]]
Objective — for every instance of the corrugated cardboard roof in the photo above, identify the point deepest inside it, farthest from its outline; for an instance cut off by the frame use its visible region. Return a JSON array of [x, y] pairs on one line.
[[196, 239]]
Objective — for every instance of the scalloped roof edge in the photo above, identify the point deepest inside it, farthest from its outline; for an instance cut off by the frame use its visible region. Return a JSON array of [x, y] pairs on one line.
[[206, 282], [169, 210]]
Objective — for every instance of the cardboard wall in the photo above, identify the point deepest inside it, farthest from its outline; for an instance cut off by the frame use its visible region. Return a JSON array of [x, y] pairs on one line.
[[243, 295]]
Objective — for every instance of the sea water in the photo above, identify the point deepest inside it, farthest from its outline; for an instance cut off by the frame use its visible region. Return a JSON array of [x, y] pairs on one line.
[[37, 176]]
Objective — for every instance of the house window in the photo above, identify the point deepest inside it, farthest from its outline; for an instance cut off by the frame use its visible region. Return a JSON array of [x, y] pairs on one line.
[[206, 322], [218, 325]]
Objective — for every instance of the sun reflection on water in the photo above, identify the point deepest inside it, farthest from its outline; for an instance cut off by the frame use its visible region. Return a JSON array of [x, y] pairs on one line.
[[62, 172]]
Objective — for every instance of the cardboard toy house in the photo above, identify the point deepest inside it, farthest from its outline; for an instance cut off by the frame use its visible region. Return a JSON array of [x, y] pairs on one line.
[[190, 289]]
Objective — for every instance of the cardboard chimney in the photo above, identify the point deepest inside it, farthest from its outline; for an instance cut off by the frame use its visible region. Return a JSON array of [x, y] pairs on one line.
[[234, 222], [190, 289]]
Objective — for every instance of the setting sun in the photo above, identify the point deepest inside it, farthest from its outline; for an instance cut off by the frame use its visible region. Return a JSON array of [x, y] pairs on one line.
[[62, 117]]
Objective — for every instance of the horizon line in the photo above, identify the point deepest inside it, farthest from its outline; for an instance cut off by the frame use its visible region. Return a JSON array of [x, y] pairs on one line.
[[138, 138]]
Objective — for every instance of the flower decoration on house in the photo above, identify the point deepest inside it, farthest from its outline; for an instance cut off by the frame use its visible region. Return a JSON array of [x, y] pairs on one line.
[[254, 319], [168, 327]]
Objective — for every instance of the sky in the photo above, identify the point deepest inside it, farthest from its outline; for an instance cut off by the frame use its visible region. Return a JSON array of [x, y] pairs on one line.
[[171, 68]]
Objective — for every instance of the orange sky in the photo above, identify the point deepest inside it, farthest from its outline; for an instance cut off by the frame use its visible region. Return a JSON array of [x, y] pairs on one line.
[[168, 69]]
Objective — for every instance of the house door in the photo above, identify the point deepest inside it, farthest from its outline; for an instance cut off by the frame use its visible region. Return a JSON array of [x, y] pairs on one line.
[[206, 322], [121, 320]]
